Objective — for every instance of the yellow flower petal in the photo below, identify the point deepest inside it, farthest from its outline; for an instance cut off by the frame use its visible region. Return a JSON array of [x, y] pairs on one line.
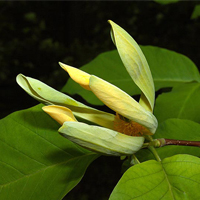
[[135, 63], [122, 103], [77, 75], [59, 113]]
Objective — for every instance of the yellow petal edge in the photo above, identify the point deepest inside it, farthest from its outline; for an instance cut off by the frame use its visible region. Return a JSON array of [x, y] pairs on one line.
[[59, 113], [77, 75]]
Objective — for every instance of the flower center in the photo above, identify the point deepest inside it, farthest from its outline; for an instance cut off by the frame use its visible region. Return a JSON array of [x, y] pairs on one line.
[[128, 127]]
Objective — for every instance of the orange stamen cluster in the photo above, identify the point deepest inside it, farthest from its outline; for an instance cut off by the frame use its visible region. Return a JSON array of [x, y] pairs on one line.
[[128, 127]]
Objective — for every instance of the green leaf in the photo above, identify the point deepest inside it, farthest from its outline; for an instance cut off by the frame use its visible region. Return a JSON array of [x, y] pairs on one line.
[[168, 69], [35, 161], [182, 102], [177, 129], [196, 12], [174, 178]]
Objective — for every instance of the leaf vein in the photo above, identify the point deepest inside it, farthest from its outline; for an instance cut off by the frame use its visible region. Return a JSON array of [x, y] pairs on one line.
[[142, 176], [41, 137], [12, 167], [21, 152], [47, 167]]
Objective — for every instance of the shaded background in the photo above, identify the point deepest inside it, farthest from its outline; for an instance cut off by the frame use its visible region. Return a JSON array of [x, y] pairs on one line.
[[34, 36]]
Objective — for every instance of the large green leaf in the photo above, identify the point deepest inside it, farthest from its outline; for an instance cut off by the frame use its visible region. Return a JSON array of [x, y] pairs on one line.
[[168, 69], [174, 178], [35, 161], [182, 102], [177, 129]]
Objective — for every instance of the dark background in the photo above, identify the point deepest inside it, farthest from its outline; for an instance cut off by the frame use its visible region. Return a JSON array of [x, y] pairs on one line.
[[35, 35]]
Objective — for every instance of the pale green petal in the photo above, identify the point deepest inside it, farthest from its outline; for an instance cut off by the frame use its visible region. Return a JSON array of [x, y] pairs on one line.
[[101, 139], [44, 93], [135, 62], [47, 95], [144, 102], [122, 103], [24, 84]]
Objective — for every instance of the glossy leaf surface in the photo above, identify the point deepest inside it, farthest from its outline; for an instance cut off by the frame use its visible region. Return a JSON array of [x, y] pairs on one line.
[[35, 161], [182, 102], [174, 178]]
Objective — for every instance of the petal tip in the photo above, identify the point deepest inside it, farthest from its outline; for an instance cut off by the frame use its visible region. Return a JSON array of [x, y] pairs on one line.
[[19, 76], [59, 113], [64, 66], [110, 22]]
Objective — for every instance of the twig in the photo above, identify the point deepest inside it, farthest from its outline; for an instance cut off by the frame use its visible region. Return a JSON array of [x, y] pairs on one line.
[[156, 143], [179, 142]]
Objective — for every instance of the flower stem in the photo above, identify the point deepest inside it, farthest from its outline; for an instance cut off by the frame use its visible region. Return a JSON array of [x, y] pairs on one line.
[[154, 152]]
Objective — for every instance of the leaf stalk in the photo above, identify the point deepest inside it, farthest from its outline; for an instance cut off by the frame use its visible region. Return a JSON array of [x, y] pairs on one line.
[[154, 152]]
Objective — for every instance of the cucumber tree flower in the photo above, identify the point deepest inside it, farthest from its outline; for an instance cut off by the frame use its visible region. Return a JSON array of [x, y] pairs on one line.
[[120, 134]]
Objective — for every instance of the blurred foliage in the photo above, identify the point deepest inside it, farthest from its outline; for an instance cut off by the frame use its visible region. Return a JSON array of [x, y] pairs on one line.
[[166, 1], [196, 12], [75, 32], [36, 35]]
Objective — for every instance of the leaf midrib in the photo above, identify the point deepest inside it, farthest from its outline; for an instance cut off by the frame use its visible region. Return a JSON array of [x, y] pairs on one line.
[[168, 182]]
